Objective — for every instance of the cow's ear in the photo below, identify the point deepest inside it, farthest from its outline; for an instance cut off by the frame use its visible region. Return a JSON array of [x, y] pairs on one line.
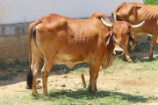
[[107, 39], [132, 42]]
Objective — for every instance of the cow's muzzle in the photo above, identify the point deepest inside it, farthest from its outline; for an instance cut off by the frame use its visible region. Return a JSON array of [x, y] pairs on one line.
[[118, 51]]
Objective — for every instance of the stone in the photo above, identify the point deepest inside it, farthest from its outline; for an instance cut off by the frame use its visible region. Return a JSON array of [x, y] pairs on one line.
[[9, 30], [24, 38], [26, 28], [11, 39], [8, 60], [1, 40], [19, 29], [5, 52], [1, 32]]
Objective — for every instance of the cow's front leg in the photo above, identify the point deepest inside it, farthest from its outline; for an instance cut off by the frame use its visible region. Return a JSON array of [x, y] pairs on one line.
[[45, 72], [93, 70], [153, 42], [127, 56]]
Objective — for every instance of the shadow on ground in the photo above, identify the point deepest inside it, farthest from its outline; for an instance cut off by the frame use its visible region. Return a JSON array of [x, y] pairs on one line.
[[84, 94]]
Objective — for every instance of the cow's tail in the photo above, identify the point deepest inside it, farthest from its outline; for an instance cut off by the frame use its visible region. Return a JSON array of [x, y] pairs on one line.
[[29, 74]]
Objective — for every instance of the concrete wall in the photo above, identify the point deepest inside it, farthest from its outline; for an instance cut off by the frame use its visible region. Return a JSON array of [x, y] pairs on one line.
[[17, 11], [16, 15]]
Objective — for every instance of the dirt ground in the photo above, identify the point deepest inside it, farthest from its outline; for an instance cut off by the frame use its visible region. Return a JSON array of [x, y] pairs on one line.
[[124, 81], [127, 82]]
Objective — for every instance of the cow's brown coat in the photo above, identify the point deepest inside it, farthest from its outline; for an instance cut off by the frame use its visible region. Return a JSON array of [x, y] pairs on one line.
[[62, 40]]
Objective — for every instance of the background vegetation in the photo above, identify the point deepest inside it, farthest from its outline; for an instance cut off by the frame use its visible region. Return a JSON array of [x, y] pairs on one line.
[[151, 2]]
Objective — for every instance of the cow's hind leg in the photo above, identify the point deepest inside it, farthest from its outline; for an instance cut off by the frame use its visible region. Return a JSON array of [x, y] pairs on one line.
[[93, 70], [45, 72], [36, 61]]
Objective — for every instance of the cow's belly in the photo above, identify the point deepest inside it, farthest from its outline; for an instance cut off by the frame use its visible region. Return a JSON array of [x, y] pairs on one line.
[[69, 60]]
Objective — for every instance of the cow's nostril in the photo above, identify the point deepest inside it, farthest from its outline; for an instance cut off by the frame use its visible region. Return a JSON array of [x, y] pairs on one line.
[[118, 52]]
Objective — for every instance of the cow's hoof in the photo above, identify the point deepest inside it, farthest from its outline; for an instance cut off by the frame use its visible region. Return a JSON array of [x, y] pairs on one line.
[[151, 58], [130, 61], [46, 95], [27, 87], [93, 91], [34, 93]]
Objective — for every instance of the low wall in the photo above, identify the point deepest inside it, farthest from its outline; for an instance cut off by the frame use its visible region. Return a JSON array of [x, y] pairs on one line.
[[14, 41]]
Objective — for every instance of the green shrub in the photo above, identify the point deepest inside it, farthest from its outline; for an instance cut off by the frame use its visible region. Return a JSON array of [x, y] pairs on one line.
[[151, 2], [3, 65]]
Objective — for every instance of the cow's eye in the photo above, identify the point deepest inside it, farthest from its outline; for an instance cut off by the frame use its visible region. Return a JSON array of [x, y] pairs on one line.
[[128, 33]]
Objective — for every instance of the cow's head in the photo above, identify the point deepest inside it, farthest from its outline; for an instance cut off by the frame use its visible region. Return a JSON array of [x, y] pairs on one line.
[[126, 12], [120, 34]]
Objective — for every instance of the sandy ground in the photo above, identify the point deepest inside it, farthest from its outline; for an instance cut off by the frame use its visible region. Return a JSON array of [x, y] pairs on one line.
[[126, 82], [122, 81]]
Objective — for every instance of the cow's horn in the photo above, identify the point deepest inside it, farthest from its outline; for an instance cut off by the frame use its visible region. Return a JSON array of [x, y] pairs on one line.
[[106, 24], [138, 25]]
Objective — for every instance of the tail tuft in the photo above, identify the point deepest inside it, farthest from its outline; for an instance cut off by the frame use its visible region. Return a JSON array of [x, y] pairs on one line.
[[29, 79]]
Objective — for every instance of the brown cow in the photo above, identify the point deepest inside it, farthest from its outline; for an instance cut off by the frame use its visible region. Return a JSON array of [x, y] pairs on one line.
[[135, 13], [61, 40]]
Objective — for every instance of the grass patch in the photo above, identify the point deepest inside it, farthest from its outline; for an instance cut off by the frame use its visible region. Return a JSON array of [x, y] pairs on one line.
[[79, 97], [151, 2], [118, 64], [3, 65], [146, 65], [83, 96], [15, 68], [137, 65], [8, 76], [19, 64]]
